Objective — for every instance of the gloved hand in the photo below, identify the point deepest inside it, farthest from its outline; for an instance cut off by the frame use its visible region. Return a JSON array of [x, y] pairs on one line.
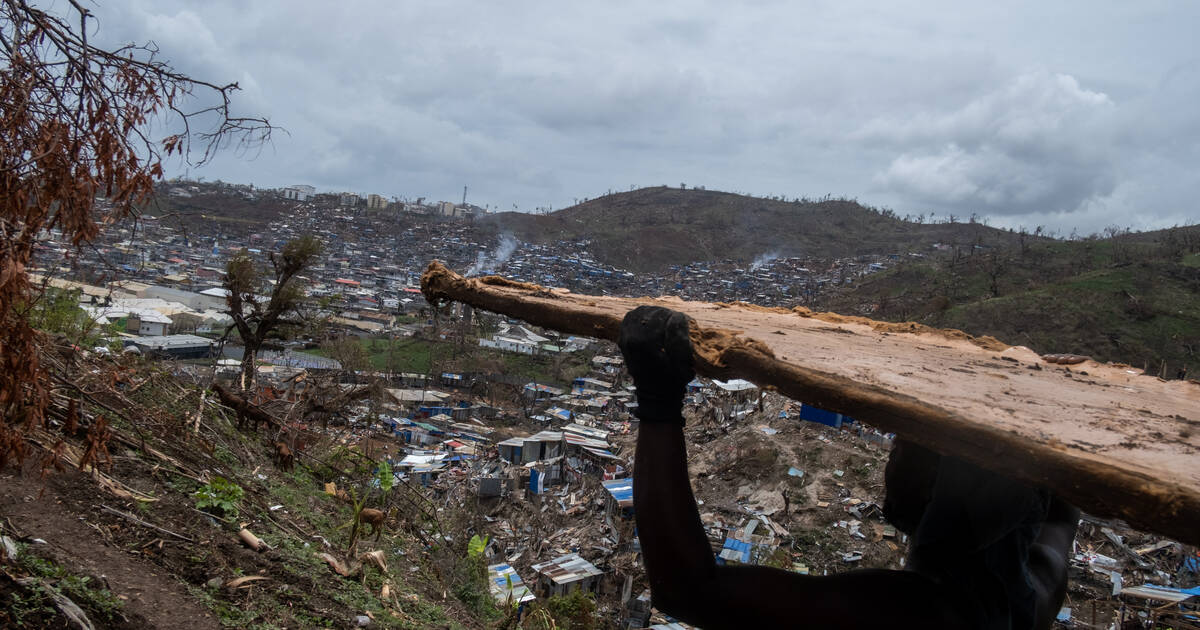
[[658, 354]]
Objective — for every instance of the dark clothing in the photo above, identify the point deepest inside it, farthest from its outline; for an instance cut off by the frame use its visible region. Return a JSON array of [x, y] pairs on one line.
[[974, 538]]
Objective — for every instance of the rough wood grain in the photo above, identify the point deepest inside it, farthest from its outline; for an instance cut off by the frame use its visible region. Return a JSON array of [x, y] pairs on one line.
[[1105, 437]]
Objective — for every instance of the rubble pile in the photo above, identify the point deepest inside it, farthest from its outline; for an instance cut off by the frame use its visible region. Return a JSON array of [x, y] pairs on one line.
[[778, 483], [1123, 578], [546, 482]]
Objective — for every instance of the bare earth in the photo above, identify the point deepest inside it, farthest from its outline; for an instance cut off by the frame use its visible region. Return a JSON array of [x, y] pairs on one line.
[[78, 536]]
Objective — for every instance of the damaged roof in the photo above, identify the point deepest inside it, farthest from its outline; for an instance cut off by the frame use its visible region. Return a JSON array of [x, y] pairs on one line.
[[567, 569], [621, 490], [507, 585]]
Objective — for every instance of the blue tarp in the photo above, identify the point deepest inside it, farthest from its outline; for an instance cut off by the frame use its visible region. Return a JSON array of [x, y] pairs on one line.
[[536, 482], [821, 416], [740, 548]]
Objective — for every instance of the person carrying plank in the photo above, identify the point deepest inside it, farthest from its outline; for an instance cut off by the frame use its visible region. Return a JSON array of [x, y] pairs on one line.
[[986, 552]]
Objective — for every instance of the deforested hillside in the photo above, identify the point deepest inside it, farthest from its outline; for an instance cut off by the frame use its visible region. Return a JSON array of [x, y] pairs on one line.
[[1132, 298], [651, 228]]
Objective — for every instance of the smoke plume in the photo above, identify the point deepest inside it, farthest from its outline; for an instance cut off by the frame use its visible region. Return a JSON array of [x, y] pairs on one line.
[[763, 260], [490, 262]]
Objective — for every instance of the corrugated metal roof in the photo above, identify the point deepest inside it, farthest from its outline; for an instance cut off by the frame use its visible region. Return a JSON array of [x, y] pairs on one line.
[[421, 460], [621, 490], [736, 550], [599, 452], [585, 442], [560, 413], [506, 583], [1161, 593], [735, 385], [591, 432], [567, 569]]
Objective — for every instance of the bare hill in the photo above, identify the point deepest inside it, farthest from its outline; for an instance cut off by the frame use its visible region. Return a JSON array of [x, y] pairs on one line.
[[652, 228]]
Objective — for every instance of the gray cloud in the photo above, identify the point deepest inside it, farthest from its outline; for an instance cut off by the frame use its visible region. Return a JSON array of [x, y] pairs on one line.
[[1039, 143], [912, 105]]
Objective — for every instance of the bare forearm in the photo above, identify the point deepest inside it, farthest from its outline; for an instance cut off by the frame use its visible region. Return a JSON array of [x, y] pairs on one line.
[[674, 544]]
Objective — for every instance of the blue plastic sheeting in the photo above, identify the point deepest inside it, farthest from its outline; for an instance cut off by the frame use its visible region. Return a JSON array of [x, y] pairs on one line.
[[821, 416], [736, 550], [537, 482], [561, 414]]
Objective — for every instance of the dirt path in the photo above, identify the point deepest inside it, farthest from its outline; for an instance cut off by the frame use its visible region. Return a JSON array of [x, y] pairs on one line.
[[65, 518]]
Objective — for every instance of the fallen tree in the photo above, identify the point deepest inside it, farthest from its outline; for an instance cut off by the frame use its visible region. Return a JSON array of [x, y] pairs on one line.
[[244, 409], [1105, 437]]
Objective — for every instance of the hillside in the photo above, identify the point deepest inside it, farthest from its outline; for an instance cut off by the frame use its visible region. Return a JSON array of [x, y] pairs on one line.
[[652, 228], [1134, 298], [214, 209]]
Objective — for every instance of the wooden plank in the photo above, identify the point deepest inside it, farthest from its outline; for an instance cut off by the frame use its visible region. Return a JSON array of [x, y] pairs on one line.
[[1103, 436]]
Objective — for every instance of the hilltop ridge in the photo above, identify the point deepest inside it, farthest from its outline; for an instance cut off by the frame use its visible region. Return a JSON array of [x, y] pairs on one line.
[[652, 228]]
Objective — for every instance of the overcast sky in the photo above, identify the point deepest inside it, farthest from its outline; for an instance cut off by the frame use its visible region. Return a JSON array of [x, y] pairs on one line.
[[1063, 114]]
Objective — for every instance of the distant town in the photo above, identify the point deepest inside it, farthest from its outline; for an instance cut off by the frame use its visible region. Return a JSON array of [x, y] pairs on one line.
[[164, 277]]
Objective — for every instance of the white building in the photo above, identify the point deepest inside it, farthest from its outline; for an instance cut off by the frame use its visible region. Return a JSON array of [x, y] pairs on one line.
[[216, 298], [298, 192]]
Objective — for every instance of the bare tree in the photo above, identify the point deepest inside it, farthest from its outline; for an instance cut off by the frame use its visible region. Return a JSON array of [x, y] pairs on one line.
[[73, 127], [255, 319], [995, 266]]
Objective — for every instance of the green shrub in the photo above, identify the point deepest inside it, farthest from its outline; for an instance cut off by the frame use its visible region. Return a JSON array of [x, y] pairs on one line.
[[576, 611], [219, 496]]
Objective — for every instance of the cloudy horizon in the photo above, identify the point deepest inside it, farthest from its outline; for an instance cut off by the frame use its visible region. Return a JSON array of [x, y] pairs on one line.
[[1073, 116]]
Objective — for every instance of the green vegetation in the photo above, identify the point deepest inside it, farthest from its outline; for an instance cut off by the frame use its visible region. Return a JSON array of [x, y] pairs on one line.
[[427, 356], [576, 611], [307, 593], [57, 312], [219, 495], [472, 587], [32, 607], [651, 228], [1129, 298]]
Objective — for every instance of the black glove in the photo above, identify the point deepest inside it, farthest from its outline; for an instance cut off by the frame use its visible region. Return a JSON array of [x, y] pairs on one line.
[[658, 354]]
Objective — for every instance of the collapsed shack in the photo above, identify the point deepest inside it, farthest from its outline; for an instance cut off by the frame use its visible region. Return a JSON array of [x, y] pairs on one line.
[[565, 574], [1081, 432], [1162, 606]]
